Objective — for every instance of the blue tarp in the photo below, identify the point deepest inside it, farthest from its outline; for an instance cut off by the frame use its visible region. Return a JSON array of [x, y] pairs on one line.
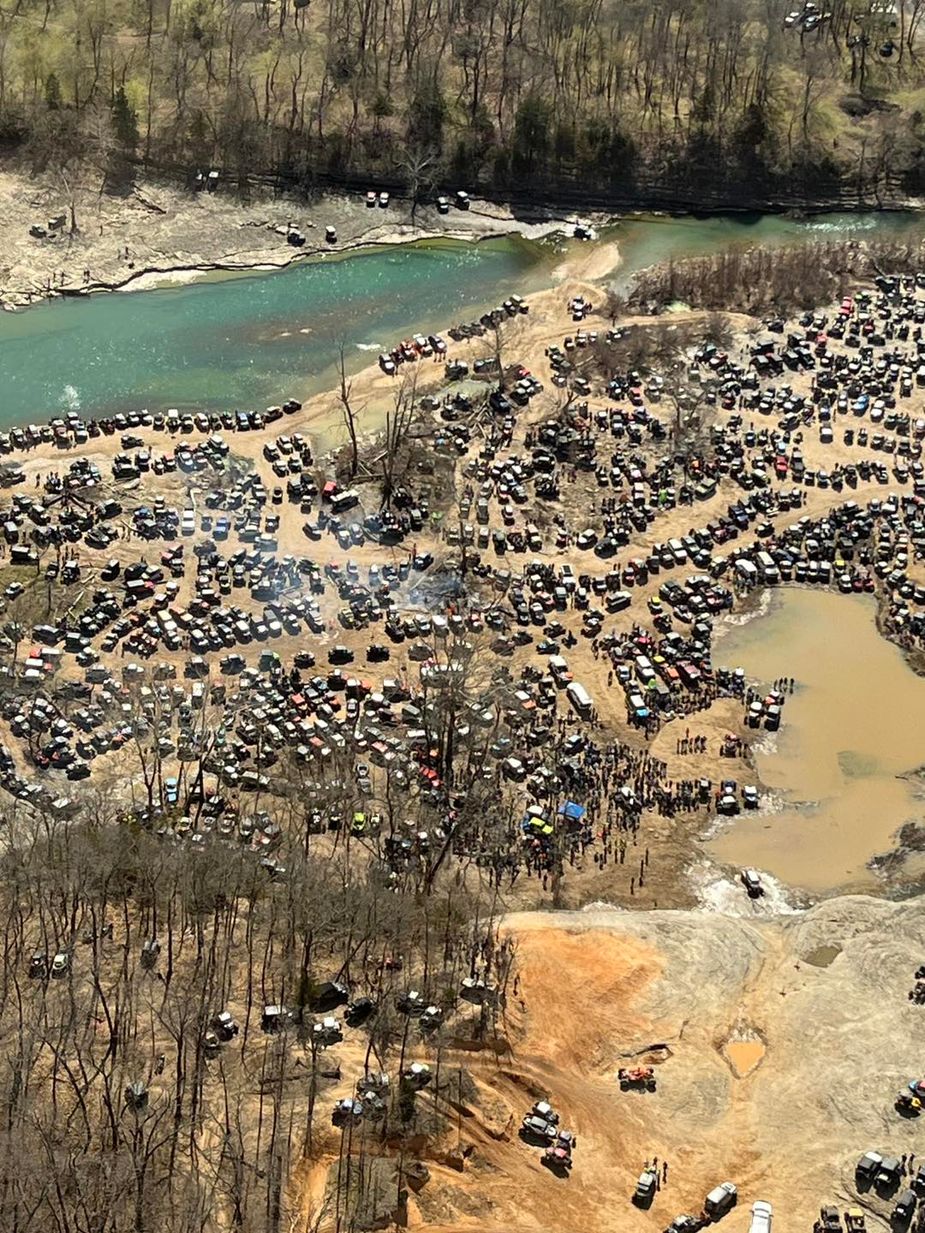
[[572, 811]]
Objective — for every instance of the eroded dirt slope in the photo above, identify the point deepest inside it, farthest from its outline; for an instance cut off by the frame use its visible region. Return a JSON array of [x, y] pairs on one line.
[[821, 999]]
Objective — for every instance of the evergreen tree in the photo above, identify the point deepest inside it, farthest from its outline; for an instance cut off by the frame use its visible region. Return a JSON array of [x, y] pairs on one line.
[[531, 135], [52, 92], [124, 122]]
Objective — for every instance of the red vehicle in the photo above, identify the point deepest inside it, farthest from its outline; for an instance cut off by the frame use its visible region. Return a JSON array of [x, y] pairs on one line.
[[636, 1077], [556, 1157]]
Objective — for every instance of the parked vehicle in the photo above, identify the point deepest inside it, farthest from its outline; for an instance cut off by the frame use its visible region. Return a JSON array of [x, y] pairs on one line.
[[60, 965], [645, 1188], [761, 1217], [751, 880], [720, 1200]]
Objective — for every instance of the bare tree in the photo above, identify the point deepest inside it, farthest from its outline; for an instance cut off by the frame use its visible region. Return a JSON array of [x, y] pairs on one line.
[[348, 411], [419, 168], [614, 305], [396, 438]]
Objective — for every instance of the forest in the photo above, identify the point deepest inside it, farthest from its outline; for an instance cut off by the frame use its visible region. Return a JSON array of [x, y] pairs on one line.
[[694, 101], [163, 1067]]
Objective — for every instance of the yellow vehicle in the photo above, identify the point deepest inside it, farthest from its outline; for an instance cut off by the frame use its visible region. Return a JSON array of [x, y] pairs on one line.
[[854, 1220]]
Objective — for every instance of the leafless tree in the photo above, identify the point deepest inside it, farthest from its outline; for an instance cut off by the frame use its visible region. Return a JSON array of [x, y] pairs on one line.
[[348, 411]]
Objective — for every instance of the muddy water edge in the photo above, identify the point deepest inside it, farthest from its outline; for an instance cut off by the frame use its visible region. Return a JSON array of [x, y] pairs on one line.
[[840, 772]]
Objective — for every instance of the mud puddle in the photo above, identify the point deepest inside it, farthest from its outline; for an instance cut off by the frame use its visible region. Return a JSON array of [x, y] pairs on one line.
[[851, 729], [744, 1055], [822, 956]]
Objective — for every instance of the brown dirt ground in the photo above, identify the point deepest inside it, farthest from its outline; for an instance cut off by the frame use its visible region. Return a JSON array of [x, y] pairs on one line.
[[524, 339], [599, 989]]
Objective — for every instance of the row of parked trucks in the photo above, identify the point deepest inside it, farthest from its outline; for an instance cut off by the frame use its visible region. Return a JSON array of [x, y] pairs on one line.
[[883, 1175]]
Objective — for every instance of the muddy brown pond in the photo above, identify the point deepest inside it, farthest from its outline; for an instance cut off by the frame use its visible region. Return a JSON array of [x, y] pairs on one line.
[[853, 727], [744, 1055]]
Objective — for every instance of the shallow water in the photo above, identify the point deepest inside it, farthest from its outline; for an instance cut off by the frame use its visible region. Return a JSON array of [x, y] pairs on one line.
[[744, 1055], [853, 726], [251, 339], [649, 239], [822, 956]]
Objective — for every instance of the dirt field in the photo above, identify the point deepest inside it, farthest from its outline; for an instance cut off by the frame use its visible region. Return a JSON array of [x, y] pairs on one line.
[[779, 1038], [668, 846], [822, 1051]]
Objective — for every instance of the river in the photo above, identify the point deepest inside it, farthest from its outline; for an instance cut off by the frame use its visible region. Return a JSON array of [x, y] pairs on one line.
[[244, 341], [650, 239], [248, 340], [852, 727]]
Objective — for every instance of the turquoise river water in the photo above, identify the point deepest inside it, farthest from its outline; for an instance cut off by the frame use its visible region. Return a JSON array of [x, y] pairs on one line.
[[257, 338]]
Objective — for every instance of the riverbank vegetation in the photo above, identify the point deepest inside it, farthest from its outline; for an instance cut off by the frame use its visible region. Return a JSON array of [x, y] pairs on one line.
[[760, 280], [709, 104]]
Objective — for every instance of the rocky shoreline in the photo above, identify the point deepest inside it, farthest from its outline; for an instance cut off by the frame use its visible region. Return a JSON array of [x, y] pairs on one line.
[[159, 232]]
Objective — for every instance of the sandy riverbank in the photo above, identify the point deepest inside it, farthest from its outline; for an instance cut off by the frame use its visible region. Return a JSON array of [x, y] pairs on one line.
[[590, 261], [159, 232], [524, 339]]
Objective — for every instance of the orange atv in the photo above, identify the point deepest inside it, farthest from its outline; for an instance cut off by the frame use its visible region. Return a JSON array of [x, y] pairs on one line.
[[636, 1077]]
